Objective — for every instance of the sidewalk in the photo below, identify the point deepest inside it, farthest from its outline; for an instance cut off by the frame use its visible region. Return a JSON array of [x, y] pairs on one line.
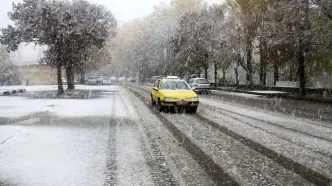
[[280, 94]]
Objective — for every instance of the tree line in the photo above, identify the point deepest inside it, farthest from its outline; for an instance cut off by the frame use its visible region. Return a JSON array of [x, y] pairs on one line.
[[75, 33], [291, 37], [9, 74]]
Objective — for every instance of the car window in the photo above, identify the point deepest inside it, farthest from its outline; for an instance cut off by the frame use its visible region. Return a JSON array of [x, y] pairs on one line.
[[156, 83], [174, 85], [201, 81]]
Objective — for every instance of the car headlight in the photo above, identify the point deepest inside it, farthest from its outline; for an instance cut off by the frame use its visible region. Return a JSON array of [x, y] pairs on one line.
[[168, 99], [192, 99]]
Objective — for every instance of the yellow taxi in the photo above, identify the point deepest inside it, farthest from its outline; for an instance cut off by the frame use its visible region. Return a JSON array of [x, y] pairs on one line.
[[172, 92]]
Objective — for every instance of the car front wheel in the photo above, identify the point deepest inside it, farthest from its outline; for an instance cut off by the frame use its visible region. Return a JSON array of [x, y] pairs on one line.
[[152, 102], [159, 107], [192, 109]]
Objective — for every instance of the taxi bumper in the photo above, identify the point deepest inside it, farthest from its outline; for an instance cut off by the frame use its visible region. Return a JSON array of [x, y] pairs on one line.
[[179, 103]]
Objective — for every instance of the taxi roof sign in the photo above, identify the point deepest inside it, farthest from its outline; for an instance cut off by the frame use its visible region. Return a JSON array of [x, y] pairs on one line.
[[172, 77]]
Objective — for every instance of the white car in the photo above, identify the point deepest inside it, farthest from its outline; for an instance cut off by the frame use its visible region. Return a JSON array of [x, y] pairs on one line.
[[121, 79], [64, 81], [107, 81], [92, 80], [200, 85]]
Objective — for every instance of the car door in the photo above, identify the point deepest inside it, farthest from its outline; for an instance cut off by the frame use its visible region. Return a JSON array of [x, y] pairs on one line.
[[154, 93]]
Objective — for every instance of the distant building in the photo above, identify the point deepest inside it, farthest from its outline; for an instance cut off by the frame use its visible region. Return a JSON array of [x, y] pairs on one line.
[[39, 74]]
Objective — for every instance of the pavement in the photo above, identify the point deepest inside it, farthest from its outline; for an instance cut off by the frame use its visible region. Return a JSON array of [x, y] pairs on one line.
[[285, 106], [112, 136], [280, 94]]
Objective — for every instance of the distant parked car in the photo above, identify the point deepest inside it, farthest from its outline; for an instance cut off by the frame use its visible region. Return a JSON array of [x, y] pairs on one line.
[[92, 80], [99, 80], [131, 80], [64, 81], [113, 79], [200, 85], [154, 79], [107, 81], [121, 79]]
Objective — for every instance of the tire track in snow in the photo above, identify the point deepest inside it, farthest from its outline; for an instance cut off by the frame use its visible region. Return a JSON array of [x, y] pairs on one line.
[[231, 114], [159, 169], [275, 112], [184, 168], [326, 137], [218, 175], [111, 165], [307, 173], [4, 141], [282, 105]]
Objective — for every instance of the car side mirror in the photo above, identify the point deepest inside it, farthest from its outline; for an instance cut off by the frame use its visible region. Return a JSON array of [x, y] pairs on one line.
[[156, 89]]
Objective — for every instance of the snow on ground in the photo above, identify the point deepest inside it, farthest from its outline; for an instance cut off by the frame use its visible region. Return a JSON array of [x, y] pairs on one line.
[[286, 122], [53, 155], [30, 88], [12, 106], [72, 146], [69, 149], [269, 92], [240, 161], [301, 154], [183, 167], [235, 94], [18, 107], [54, 87]]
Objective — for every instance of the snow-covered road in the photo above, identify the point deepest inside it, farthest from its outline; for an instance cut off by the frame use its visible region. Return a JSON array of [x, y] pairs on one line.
[[259, 145], [119, 139], [112, 140]]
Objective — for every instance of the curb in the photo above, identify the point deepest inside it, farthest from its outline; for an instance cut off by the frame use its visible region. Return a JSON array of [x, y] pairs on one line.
[[11, 92]]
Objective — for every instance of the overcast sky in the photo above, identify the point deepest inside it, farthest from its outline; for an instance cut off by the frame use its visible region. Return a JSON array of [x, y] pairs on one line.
[[123, 10]]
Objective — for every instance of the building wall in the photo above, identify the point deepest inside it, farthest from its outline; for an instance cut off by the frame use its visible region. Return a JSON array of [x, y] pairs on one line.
[[39, 74]]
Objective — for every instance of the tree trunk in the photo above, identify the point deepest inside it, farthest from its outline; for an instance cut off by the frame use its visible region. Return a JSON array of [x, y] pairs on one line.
[[236, 76], [262, 64], [301, 68], [215, 73], [59, 66], [60, 87], [70, 78], [276, 73], [224, 75], [206, 72], [82, 80], [262, 73], [249, 59], [291, 68], [304, 42]]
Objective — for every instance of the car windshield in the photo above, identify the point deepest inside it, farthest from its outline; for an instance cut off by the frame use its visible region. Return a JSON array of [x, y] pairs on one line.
[[165, 92], [201, 81], [174, 85]]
